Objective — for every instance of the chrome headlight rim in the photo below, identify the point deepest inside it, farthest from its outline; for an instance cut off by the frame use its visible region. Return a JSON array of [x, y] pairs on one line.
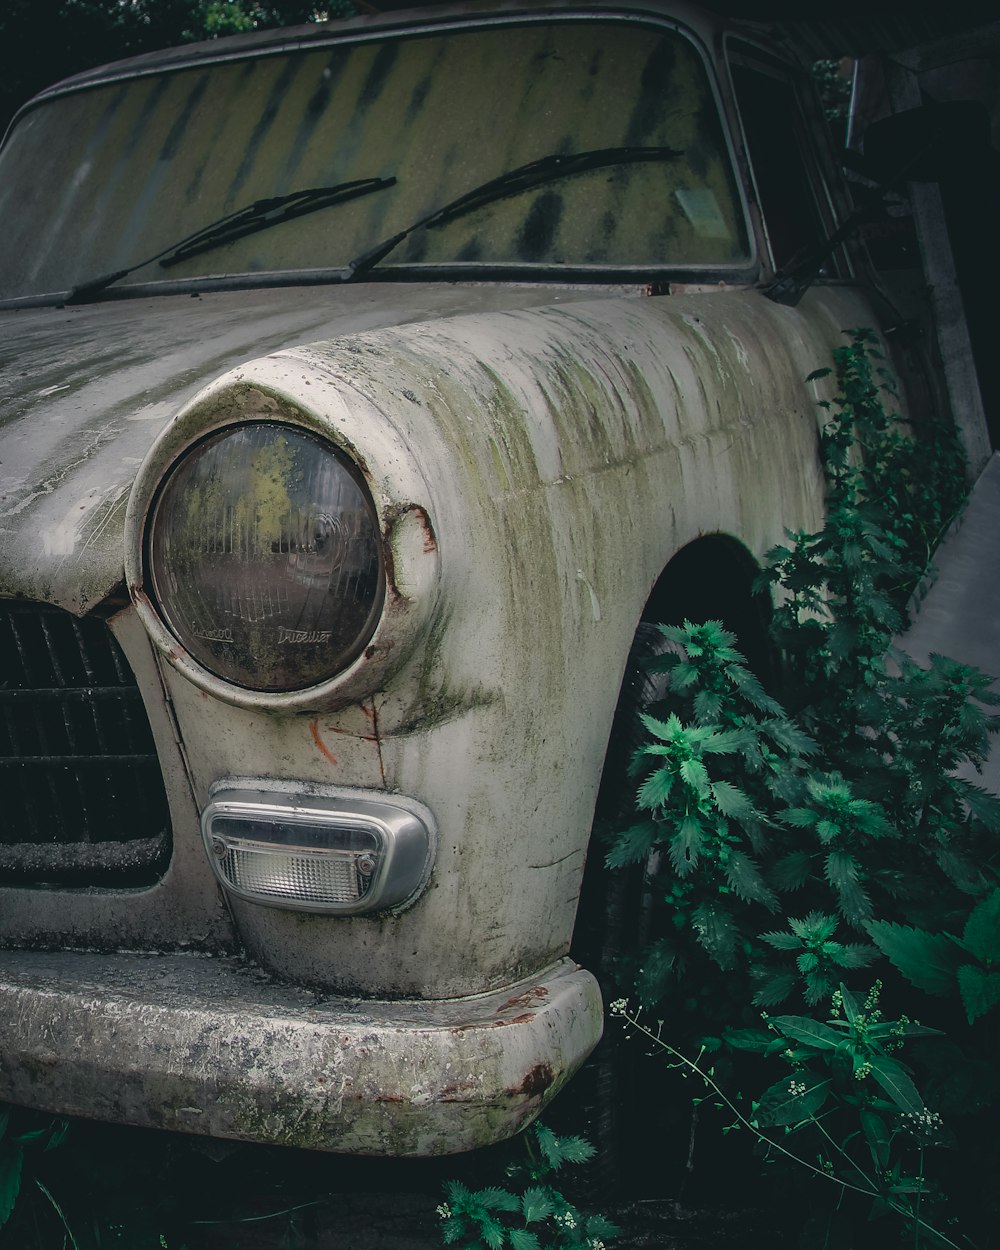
[[392, 481], [168, 613]]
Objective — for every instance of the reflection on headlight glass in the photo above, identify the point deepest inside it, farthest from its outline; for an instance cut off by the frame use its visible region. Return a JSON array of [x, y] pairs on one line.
[[264, 558]]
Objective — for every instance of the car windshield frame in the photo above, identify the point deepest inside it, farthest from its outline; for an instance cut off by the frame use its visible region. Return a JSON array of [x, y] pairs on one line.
[[743, 269]]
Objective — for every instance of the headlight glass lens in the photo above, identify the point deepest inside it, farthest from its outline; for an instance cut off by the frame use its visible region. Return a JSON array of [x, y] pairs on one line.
[[264, 559]]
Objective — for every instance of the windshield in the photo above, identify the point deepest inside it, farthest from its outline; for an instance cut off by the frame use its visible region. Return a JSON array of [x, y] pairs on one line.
[[99, 180]]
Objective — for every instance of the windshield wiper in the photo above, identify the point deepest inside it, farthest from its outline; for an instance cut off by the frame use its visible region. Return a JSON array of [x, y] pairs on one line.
[[524, 178], [260, 215]]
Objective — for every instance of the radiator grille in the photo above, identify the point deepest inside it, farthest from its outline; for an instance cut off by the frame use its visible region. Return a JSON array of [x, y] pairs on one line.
[[81, 793]]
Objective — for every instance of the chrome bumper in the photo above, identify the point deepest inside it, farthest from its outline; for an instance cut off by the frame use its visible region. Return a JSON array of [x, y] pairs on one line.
[[209, 1045]]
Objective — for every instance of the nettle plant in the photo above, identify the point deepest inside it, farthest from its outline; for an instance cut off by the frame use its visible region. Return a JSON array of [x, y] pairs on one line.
[[530, 1213], [820, 834]]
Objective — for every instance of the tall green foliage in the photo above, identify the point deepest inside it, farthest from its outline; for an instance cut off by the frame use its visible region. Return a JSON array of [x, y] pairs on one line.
[[820, 834]]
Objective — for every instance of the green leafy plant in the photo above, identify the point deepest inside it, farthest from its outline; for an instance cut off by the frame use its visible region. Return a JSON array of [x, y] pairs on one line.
[[842, 1073], [532, 1215], [941, 963], [792, 838]]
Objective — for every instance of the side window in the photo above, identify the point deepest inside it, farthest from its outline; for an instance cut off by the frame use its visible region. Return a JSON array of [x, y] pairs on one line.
[[784, 169]]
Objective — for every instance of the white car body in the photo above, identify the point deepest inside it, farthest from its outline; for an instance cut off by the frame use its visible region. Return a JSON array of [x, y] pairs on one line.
[[536, 451]]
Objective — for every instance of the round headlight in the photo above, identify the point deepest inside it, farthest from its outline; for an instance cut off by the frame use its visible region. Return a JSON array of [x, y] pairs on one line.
[[263, 557]]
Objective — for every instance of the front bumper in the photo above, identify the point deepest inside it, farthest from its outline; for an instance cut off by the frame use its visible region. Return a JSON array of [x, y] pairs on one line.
[[209, 1045]]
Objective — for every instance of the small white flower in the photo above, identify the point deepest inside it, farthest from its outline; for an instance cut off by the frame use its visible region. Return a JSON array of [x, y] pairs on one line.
[[797, 1088], [617, 1008], [444, 1211]]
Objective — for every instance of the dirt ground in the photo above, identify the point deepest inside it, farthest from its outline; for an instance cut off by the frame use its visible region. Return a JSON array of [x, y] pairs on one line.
[[130, 1189], [408, 1222]]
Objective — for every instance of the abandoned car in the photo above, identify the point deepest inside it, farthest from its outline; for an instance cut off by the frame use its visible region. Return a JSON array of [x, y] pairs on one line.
[[364, 387]]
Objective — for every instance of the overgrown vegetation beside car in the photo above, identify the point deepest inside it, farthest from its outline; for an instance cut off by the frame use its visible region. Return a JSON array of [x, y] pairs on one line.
[[821, 846]]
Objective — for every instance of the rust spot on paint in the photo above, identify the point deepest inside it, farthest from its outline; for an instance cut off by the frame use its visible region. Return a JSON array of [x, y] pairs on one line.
[[527, 998], [537, 1081], [323, 748], [424, 521], [525, 1018]]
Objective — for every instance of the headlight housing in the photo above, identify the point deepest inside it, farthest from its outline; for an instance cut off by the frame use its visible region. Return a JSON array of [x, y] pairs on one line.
[[264, 558]]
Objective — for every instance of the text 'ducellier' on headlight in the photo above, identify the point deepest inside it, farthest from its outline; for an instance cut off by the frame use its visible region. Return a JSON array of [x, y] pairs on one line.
[[319, 853], [264, 557]]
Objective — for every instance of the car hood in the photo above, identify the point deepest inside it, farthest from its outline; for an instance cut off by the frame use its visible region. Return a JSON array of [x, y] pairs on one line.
[[84, 391]]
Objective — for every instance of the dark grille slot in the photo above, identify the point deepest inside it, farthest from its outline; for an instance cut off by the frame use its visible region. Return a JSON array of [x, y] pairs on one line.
[[83, 798]]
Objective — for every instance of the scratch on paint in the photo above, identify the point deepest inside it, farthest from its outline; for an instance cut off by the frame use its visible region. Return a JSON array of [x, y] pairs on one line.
[[314, 730], [378, 740]]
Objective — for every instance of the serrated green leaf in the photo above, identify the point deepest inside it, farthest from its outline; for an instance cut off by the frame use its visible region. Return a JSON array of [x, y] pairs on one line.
[[782, 941], [781, 1104], [666, 730], [792, 871], [632, 845], [930, 961], [731, 801], [456, 1192], [695, 775], [980, 990], [815, 927], [983, 805], [774, 987], [655, 790], [548, 1143], [856, 955], [827, 830], [496, 1199], [523, 1239], [599, 1226], [724, 741], [492, 1232], [686, 844], [981, 935], [707, 705], [535, 1205], [716, 933], [745, 880], [817, 374], [575, 1149], [842, 871]]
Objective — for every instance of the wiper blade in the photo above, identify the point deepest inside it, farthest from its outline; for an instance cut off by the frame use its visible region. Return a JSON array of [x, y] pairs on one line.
[[260, 215], [524, 178]]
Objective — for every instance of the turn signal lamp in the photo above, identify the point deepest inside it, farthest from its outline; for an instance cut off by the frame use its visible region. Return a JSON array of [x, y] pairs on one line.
[[333, 853]]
